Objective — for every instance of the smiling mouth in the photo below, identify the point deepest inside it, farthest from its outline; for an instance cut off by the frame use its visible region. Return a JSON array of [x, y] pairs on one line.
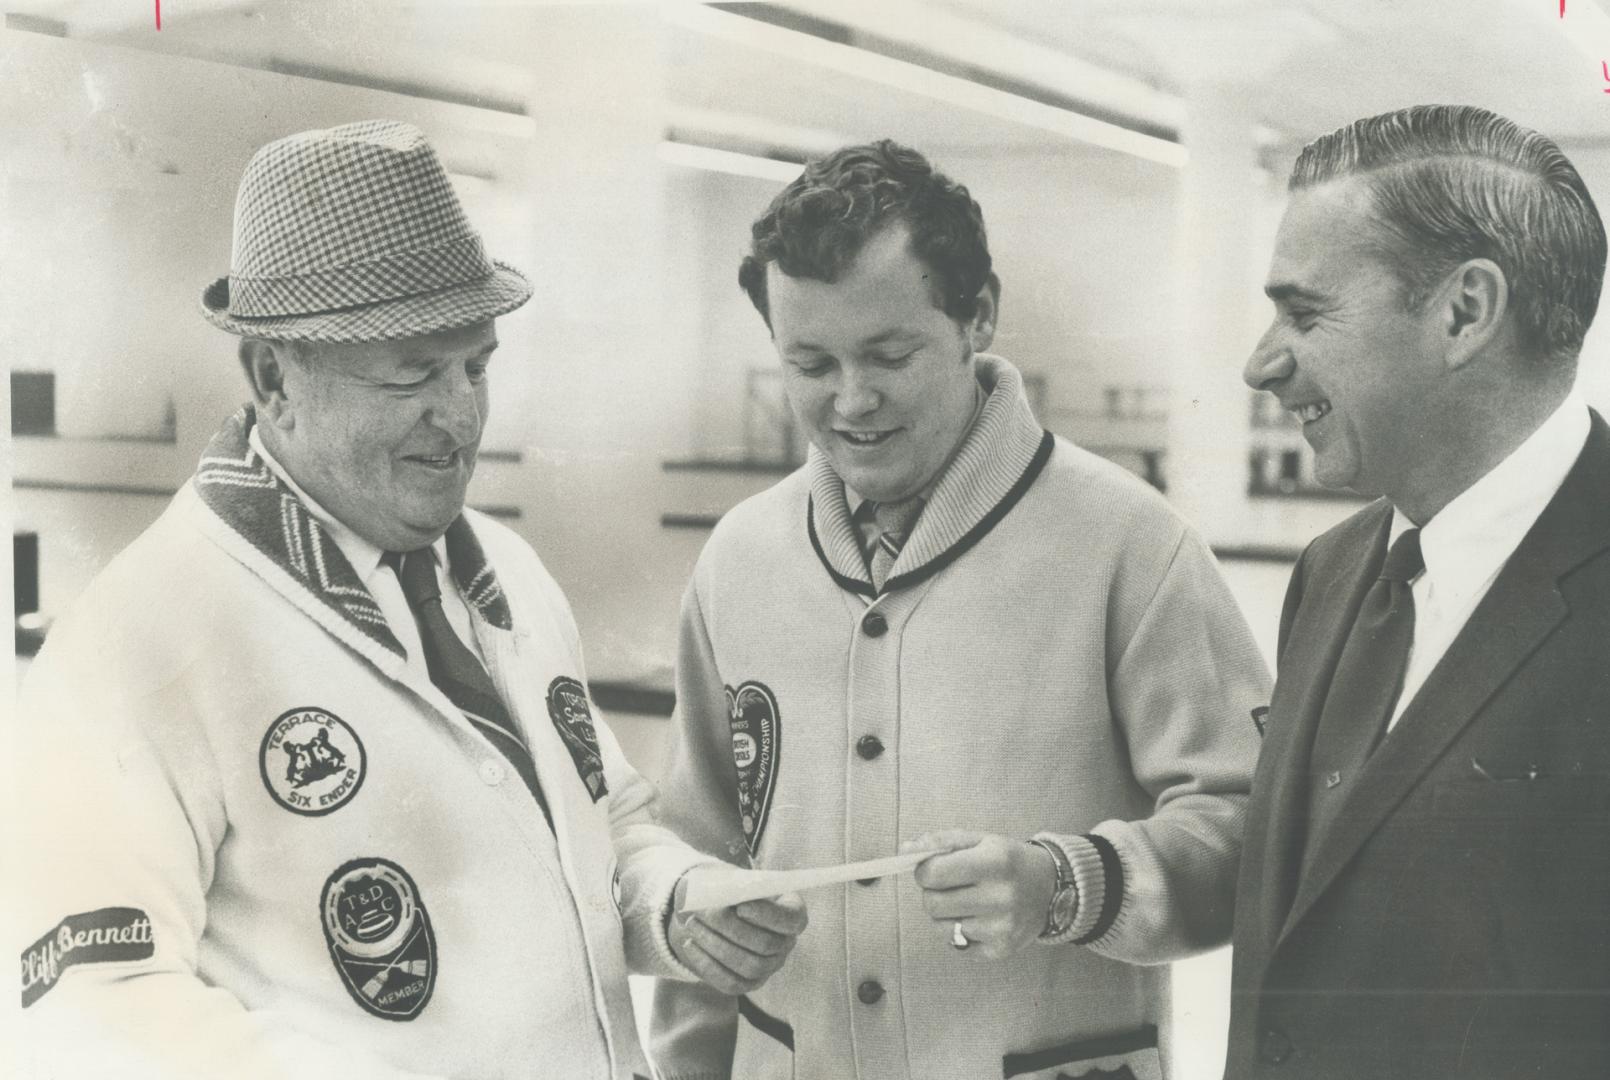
[[865, 438], [1312, 411], [442, 462]]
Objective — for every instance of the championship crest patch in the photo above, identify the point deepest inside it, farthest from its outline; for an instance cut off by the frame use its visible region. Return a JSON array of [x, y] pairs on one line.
[[105, 936], [567, 706], [312, 762], [380, 937], [756, 750]]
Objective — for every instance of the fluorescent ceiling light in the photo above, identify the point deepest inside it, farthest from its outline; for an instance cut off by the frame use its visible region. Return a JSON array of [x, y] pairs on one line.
[[968, 41], [725, 161], [915, 79]]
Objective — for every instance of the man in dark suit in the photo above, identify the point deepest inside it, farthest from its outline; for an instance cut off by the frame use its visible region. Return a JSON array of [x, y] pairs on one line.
[[1425, 881]]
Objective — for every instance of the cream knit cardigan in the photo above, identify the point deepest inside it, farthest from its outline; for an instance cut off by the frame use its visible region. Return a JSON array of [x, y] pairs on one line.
[[1060, 657]]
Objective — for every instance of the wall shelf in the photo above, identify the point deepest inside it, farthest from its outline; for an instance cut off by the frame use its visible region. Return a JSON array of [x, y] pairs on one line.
[[730, 465]]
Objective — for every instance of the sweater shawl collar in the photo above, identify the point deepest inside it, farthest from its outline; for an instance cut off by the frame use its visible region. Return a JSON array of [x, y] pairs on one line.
[[997, 461], [287, 546]]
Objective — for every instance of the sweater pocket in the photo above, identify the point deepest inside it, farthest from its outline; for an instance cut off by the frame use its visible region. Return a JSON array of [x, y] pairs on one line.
[[1131, 1056]]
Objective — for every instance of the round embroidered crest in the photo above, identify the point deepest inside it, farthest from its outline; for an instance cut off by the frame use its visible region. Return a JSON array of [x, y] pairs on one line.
[[312, 761], [380, 937]]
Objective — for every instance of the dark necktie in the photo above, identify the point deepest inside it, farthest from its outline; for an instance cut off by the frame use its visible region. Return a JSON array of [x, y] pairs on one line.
[[892, 523], [1369, 677], [455, 669]]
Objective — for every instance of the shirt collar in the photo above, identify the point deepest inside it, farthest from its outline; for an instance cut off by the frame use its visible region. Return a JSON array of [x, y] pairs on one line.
[[1475, 534], [362, 554], [854, 499]]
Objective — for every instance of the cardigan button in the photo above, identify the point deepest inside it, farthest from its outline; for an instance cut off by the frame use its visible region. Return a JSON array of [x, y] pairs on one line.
[[1274, 1047], [870, 992], [491, 772], [869, 746], [875, 624]]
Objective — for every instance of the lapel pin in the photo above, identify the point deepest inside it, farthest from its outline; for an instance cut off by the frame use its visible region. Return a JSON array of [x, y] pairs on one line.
[[1332, 779]]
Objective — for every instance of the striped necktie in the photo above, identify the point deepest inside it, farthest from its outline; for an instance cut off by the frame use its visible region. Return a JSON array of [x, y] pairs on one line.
[[891, 524], [455, 669]]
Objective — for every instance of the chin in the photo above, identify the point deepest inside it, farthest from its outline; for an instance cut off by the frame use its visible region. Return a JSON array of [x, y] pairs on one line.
[[427, 528]]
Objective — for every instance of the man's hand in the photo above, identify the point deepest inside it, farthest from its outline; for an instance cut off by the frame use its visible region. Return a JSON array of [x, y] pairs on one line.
[[997, 888], [736, 949]]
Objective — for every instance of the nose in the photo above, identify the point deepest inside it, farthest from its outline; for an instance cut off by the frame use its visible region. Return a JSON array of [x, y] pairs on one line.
[[857, 396], [459, 407], [1270, 362]]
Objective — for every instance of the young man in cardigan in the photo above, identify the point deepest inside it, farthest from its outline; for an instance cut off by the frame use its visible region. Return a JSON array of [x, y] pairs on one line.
[[952, 629], [315, 788]]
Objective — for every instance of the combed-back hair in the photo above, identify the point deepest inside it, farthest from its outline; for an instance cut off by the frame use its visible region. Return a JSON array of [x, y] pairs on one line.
[[819, 223], [1453, 182]]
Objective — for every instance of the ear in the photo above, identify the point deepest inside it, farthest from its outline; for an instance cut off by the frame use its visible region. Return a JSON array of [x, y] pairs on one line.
[[265, 364], [1473, 305], [981, 330]]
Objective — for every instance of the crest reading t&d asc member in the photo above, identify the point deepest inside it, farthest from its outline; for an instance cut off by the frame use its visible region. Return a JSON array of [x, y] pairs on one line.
[[380, 937]]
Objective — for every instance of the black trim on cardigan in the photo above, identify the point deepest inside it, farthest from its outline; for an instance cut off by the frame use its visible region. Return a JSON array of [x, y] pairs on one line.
[[1112, 891], [765, 1022], [1101, 1046], [950, 554]]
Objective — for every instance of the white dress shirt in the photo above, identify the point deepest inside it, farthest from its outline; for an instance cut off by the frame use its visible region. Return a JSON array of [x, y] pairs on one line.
[[380, 581], [1469, 541]]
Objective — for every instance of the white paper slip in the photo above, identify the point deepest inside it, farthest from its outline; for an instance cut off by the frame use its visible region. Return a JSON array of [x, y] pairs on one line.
[[712, 887]]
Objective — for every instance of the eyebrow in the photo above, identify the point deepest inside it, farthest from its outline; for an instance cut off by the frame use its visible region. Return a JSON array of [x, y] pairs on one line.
[[1283, 291], [876, 339], [430, 360]]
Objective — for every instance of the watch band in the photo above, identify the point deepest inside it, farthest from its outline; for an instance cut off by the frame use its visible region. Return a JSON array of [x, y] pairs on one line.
[[1064, 871]]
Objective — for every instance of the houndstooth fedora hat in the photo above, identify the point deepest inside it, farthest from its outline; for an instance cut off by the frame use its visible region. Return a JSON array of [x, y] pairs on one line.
[[354, 234]]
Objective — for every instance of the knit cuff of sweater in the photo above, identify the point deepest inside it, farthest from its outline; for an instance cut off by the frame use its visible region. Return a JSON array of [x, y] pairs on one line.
[[648, 922], [1098, 881]]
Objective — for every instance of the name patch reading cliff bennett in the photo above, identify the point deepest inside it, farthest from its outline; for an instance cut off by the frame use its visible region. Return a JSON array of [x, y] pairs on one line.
[[380, 937], [311, 761], [756, 749], [567, 706], [105, 936]]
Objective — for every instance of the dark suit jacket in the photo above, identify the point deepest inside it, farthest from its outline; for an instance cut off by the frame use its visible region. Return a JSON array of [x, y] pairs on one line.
[[1454, 921]]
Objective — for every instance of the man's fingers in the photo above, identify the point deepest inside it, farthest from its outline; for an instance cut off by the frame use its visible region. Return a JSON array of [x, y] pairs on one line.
[[943, 840], [951, 904], [712, 971], [730, 927], [955, 869], [783, 915], [738, 955]]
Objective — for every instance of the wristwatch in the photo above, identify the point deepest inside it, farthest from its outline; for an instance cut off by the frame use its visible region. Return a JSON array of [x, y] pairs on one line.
[[1065, 900]]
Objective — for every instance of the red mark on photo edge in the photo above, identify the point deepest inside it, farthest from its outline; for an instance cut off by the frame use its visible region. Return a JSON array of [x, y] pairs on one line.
[[1605, 64], [159, 12]]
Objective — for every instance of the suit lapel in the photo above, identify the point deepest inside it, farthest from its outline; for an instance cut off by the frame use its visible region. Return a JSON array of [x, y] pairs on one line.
[[1518, 613], [1315, 647]]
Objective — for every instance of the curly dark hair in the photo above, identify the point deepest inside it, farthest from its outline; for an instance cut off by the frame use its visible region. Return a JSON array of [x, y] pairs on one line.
[[818, 224]]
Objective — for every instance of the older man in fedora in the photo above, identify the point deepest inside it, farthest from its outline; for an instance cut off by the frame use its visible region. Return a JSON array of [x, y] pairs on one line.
[[315, 783]]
